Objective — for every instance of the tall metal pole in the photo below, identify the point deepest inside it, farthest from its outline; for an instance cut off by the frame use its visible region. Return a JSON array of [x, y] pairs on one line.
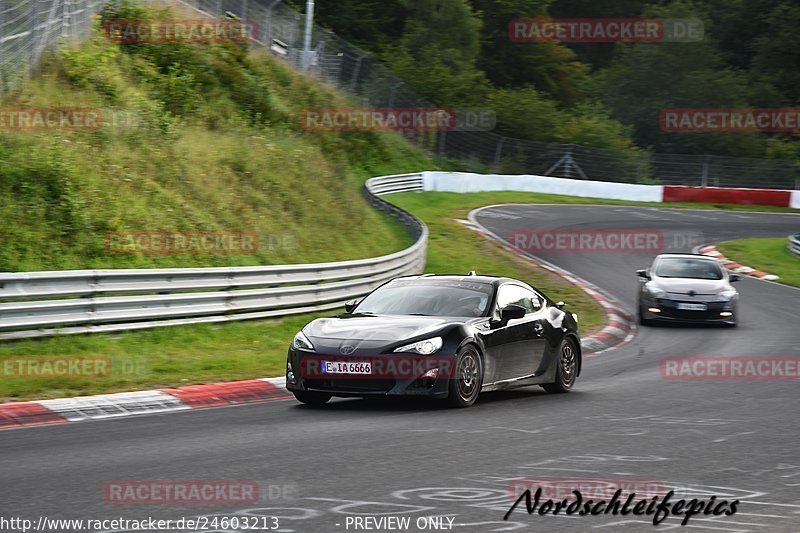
[[307, 40]]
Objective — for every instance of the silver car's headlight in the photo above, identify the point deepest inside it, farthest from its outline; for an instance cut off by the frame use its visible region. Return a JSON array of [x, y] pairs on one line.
[[725, 296], [301, 342], [656, 292], [426, 347]]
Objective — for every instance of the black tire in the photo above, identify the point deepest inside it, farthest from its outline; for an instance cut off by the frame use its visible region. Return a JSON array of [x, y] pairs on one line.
[[312, 398], [641, 319], [467, 379], [566, 368]]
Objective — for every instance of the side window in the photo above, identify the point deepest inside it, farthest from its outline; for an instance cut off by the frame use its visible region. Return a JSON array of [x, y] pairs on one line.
[[517, 295]]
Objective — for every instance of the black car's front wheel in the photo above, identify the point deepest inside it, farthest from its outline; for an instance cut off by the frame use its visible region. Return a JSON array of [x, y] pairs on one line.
[[312, 398], [566, 368], [467, 379]]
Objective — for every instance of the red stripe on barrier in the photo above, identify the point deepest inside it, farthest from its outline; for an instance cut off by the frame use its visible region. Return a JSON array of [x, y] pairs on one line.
[[718, 195], [27, 414], [219, 394]]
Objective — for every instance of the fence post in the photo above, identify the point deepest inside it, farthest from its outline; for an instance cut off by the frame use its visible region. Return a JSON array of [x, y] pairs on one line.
[[704, 182], [268, 24], [354, 80], [442, 141], [65, 25], [498, 152], [394, 90], [32, 50]]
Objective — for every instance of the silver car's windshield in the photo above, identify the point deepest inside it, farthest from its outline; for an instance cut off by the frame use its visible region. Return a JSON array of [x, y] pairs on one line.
[[679, 267]]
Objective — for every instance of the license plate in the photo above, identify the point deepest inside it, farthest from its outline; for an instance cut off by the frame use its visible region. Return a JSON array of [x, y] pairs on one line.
[[692, 307], [346, 367]]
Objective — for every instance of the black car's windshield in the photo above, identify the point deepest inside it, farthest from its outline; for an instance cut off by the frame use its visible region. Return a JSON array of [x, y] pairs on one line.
[[428, 298], [676, 267]]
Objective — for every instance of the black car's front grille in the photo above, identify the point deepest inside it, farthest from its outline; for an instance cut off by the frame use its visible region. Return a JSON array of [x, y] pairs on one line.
[[351, 385]]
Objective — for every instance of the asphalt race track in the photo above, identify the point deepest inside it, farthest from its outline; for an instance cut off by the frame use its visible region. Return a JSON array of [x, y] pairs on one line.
[[624, 423]]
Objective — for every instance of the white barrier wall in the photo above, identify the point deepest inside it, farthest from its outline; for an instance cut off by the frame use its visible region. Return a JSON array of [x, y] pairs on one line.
[[463, 182], [794, 203]]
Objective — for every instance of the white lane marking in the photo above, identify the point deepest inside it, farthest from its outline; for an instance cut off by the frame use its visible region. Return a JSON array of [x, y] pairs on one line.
[[531, 431], [725, 438], [114, 405]]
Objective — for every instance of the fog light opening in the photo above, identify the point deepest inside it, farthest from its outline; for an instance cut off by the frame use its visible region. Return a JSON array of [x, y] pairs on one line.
[[726, 313], [654, 310], [431, 374], [290, 374]]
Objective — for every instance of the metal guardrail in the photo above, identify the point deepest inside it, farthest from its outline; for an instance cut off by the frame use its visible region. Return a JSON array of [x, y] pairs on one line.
[[37, 304], [794, 244]]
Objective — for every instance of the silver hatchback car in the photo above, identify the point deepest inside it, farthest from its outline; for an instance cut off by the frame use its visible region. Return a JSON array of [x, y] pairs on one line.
[[687, 288]]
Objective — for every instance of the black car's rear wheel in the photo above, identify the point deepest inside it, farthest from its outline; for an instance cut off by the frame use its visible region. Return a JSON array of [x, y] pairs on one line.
[[466, 382], [312, 398], [566, 368]]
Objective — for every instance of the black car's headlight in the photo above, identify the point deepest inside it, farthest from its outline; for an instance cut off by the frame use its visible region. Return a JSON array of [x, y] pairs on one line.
[[426, 347], [301, 342]]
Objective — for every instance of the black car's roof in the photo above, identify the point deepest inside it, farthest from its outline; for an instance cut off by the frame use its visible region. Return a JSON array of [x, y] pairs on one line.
[[492, 280]]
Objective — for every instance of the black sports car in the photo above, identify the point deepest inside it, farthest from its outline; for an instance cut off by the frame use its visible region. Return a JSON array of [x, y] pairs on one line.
[[687, 288], [437, 336]]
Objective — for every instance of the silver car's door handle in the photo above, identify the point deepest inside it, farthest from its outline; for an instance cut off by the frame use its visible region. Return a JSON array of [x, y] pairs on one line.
[[538, 328]]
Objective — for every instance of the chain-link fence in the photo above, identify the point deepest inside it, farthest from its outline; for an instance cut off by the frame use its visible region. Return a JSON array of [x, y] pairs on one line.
[[27, 26]]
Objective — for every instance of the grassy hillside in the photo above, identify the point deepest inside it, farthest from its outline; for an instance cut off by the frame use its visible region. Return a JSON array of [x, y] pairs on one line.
[[194, 137]]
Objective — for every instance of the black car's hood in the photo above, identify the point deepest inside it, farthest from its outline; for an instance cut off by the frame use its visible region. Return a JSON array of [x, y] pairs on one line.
[[384, 329]]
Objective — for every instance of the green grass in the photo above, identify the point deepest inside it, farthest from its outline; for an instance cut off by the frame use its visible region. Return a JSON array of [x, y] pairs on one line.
[[768, 255], [195, 137]]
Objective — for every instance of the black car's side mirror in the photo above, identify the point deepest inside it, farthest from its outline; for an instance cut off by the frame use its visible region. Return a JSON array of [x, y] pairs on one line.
[[512, 311], [561, 305], [734, 278], [350, 305], [643, 274]]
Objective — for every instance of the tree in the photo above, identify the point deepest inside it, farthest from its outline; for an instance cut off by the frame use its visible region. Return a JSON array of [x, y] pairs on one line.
[[438, 51]]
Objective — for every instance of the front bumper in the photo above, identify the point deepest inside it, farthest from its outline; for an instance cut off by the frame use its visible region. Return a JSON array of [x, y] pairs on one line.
[[716, 312], [347, 385]]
